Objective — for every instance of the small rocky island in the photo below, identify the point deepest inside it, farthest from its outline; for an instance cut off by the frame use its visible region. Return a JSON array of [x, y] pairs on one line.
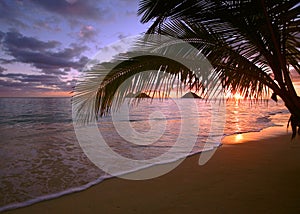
[[191, 95], [137, 95]]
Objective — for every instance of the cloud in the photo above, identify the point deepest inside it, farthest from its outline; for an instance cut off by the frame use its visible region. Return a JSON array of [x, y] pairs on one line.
[[6, 61], [16, 40], [1, 36], [87, 33], [51, 15], [49, 24], [71, 1], [79, 9], [10, 14], [122, 35], [43, 55], [2, 69], [130, 1], [16, 82], [26, 78]]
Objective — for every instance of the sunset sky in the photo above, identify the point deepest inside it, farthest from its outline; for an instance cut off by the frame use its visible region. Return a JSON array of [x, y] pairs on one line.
[[44, 44]]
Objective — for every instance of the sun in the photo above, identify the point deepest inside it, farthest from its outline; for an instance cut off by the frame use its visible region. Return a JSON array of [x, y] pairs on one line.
[[238, 96], [234, 95]]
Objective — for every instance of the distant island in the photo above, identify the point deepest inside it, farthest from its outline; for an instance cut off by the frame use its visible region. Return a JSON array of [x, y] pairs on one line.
[[137, 95], [191, 95]]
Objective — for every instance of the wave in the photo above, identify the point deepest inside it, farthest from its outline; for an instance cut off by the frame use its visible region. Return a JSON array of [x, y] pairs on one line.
[[50, 196], [92, 183], [267, 121]]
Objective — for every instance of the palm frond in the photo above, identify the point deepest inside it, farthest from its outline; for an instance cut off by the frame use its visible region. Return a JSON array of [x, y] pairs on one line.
[[250, 45], [266, 33], [157, 66]]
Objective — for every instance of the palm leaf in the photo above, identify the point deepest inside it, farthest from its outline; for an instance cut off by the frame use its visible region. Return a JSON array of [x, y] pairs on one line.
[[250, 44], [150, 68]]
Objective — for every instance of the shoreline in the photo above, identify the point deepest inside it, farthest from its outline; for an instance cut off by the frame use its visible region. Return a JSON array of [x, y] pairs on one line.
[[86, 186], [114, 194]]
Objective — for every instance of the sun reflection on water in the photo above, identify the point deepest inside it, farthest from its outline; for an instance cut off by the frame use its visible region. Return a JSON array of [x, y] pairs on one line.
[[239, 137]]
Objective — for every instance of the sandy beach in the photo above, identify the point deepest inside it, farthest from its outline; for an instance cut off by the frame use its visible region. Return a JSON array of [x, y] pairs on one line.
[[249, 173]]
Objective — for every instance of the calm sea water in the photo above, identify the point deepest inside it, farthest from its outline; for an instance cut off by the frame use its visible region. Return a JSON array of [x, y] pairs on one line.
[[40, 156]]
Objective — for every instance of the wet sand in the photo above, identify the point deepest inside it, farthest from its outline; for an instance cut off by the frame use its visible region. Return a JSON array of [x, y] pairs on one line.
[[249, 173]]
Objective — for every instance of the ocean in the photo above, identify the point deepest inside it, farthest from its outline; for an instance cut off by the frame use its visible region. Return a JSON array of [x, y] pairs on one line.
[[41, 158]]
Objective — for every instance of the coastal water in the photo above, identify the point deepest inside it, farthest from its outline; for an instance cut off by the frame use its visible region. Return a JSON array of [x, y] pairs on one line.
[[41, 158]]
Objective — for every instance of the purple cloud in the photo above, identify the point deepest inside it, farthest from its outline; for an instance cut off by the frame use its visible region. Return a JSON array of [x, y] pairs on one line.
[[10, 14], [16, 82], [42, 55], [49, 24], [14, 39], [2, 69], [87, 33], [79, 9]]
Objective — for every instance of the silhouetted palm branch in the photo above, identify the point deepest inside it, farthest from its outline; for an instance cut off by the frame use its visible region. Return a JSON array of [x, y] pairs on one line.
[[258, 40], [146, 70], [252, 45]]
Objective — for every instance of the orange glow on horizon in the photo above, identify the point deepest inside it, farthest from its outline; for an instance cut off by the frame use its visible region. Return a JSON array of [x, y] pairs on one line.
[[237, 96], [37, 94], [234, 95], [57, 94]]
